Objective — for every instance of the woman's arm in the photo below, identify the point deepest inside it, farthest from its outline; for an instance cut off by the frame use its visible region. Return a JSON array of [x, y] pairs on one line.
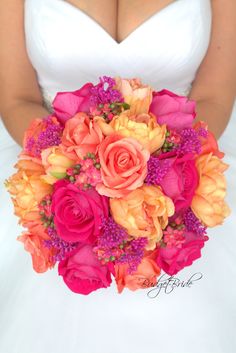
[[214, 87], [20, 99]]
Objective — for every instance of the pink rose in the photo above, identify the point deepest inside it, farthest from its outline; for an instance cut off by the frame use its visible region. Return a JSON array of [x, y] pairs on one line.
[[77, 213], [82, 272], [67, 104], [177, 112], [123, 165], [80, 136], [173, 259], [181, 181]]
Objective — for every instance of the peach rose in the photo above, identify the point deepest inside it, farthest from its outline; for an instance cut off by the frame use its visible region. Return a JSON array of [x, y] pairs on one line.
[[136, 94], [123, 165], [27, 189], [55, 164], [143, 212], [80, 136], [41, 256], [208, 202], [142, 127], [145, 275]]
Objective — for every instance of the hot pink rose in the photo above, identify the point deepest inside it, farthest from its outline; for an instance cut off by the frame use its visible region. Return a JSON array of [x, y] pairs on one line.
[[177, 112], [181, 181], [173, 259], [123, 165], [77, 213], [67, 104], [80, 136], [82, 272]]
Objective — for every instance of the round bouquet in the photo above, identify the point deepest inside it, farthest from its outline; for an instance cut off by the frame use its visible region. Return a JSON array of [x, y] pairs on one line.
[[117, 182]]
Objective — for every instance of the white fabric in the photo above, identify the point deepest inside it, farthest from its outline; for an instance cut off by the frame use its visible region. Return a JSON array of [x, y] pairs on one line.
[[38, 314]]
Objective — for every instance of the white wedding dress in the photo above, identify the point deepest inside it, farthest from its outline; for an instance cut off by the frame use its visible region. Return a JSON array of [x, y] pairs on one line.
[[38, 313]]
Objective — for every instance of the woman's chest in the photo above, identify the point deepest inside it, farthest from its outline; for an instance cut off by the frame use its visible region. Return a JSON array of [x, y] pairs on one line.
[[119, 18], [67, 47]]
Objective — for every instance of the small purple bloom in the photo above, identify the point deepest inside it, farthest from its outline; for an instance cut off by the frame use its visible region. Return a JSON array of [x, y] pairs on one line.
[[104, 92], [157, 169], [193, 224]]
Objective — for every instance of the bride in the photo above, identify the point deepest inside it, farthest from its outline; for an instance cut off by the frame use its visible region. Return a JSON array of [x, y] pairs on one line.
[[47, 46]]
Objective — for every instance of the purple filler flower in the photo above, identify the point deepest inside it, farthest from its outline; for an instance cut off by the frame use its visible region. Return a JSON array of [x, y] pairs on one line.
[[193, 224], [62, 247], [157, 169], [49, 136], [104, 92]]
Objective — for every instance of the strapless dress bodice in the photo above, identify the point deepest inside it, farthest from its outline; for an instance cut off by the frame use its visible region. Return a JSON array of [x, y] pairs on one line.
[[68, 48]]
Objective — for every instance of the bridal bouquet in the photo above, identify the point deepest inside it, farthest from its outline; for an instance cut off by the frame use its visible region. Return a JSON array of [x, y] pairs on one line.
[[118, 181]]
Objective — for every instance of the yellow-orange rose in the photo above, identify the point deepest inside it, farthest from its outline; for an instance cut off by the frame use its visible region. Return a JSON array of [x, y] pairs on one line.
[[208, 202], [145, 275], [55, 164], [143, 212], [27, 189], [142, 127], [135, 93]]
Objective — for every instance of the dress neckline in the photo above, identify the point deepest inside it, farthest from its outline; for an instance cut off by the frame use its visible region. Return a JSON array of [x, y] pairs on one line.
[[131, 34]]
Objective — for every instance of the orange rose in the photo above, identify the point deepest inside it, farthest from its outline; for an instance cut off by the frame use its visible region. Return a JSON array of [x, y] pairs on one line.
[[27, 189], [35, 226], [142, 127], [136, 94], [35, 127], [208, 202], [41, 256], [145, 275], [209, 144], [55, 164], [143, 212], [123, 165], [80, 136]]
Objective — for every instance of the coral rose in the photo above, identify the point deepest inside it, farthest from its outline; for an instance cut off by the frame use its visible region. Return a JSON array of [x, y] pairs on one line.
[[80, 136], [123, 165], [27, 189], [67, 104], [41, 256], [145, 275], [34, 129], [177, 112], [142, 127], [77, 213], [143, 212], [82, 272], [55, 164], [208, 202], [36, 226], [209, 143], [136, 94]]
